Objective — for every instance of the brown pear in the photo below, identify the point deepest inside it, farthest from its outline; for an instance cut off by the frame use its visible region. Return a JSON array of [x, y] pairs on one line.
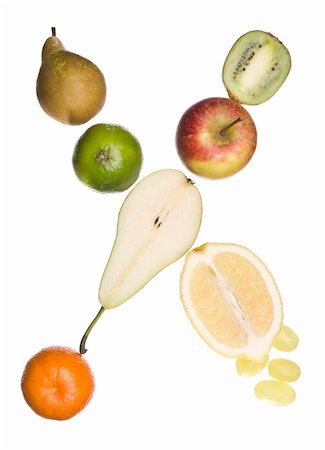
[[70, 88]]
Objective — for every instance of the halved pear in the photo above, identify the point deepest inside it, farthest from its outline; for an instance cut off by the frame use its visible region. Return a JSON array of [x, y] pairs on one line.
[[157, 224]]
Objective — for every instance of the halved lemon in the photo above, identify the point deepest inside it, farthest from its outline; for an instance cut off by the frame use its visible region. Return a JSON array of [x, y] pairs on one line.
[[231, 299]]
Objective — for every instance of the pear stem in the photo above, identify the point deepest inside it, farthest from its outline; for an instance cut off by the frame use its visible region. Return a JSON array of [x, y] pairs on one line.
[[222, 132], [82, 348], [53, 31]]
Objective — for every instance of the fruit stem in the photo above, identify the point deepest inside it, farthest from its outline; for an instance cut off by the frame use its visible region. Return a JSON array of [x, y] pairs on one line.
[[53, 31], [222, 132], [102, 156], [82, 348]]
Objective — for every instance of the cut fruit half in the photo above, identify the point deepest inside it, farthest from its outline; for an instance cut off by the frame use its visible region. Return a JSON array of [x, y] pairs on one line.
[[255, 68], [157, 224], [231, 299]]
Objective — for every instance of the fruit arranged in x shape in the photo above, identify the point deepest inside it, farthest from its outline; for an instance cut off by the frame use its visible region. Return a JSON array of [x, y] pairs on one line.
[[228, 293]]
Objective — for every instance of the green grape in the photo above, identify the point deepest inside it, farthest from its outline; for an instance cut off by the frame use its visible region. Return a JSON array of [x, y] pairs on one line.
[[247, 368], [284, 369], [275, 392], [286, 340]]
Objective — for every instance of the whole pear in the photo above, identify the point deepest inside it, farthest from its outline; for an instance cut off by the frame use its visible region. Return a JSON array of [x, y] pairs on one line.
[[69, 87]]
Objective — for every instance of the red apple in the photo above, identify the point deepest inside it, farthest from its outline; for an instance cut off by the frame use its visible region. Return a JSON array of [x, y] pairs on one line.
[[216, 137]]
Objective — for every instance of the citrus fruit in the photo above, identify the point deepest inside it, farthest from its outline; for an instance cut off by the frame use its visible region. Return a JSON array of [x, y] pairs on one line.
[[57, 383], [231, 299], [107, 158]]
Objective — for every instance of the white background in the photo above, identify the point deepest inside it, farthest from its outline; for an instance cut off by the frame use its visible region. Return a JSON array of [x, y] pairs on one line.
[[158, 386]]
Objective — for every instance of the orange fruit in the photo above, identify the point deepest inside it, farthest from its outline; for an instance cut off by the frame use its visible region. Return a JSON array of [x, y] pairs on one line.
[[231, 299], [57, 383]]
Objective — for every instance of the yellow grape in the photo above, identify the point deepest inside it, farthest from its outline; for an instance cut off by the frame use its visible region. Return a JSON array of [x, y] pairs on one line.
[[246, 367], [275, 392], [286, 340], [284, 369]]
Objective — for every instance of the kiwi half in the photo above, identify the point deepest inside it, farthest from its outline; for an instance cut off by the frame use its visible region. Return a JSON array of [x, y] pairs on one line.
[[255, 68]]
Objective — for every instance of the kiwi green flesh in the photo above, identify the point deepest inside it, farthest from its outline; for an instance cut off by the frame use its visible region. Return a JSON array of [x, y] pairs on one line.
[[255, 68]]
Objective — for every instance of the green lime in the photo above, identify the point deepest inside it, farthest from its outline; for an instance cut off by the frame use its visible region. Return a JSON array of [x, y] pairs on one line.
[[107, 158]]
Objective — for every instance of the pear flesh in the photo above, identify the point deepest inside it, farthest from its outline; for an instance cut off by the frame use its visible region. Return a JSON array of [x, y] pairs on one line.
[[157, 224], [70, 88]]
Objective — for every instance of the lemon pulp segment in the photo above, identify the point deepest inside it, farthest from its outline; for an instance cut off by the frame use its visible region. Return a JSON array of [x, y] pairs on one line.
[[249, 289], [216, 313]]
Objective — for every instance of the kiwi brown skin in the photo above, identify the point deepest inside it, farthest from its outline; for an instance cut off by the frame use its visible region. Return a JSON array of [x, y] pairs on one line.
[[233, 97], [284, 67], [70, 88]]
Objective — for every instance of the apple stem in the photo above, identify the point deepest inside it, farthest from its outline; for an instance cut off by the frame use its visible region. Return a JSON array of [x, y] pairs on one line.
[[82, 347], [53, 31], [222, 132]]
